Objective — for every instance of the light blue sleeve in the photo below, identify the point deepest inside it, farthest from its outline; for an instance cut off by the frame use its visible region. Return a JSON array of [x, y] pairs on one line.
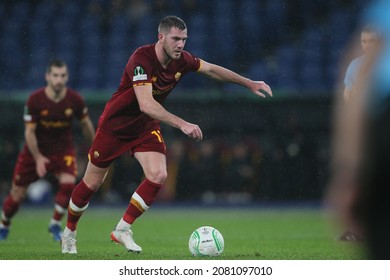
[[350, 75]]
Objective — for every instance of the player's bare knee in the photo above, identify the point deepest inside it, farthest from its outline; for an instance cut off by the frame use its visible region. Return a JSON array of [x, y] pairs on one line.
[[92, 183], [158, 176], [65, 178], [18, 194]]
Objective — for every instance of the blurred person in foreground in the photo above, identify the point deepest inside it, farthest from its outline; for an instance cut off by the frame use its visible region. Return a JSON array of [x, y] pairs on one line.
[[360, 183], [48, 117], [131, 120], [368, 43]]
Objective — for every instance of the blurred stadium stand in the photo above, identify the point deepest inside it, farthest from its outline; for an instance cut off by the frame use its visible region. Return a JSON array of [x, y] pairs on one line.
[[294, 45]]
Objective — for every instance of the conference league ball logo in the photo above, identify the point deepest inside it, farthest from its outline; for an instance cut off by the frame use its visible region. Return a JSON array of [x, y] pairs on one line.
[[139, 74]]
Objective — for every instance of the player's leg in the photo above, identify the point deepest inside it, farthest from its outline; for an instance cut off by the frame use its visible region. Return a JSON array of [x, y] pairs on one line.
[[24, 175], [66, 182], [83, 192], [79, 201], [155, 170], [10, 208], [105, 148]]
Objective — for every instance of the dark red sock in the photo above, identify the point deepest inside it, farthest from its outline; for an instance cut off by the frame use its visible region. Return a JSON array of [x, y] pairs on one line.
[[80, 199], [61, 200], [10, 207], [147, 191]]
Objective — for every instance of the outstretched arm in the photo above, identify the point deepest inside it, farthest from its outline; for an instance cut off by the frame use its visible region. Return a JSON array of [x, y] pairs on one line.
[[222, 74], [152, 108]]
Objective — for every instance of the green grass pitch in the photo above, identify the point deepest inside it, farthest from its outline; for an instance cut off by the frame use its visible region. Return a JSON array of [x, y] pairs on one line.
[[163, 233]]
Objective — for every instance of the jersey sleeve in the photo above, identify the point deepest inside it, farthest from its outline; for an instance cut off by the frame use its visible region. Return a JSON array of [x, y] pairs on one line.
[[80, 109], [31, 112], [349, 76], [192, 63], [140, 68]]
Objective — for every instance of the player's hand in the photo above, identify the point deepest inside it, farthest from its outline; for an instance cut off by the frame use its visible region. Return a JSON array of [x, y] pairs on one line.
[[192, 131], [258, 86], [41, 162]]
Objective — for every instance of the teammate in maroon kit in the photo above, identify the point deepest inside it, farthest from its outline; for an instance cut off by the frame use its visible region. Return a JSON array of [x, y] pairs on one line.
[[131, 123], [48, 117]]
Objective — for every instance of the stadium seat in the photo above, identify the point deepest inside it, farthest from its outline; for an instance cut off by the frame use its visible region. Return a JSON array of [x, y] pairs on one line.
[[286, 65], [312, 78], [224, 32], [20, 10], [2, 10], [45, 10], [113, 68], [89, 77], [71, 9]]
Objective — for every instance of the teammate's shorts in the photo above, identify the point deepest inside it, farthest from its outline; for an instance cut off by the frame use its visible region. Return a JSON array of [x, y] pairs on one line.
[[25, 169], [106, 147]]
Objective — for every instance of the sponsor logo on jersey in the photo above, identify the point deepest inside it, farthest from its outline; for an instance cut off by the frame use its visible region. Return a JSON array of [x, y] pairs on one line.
[[68, 112], [55, 124], [177, 76], [139, 74], [44, 113], [158, 92]]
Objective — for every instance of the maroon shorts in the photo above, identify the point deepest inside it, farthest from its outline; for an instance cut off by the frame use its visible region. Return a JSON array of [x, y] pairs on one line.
[[106, 147], [25, 171]]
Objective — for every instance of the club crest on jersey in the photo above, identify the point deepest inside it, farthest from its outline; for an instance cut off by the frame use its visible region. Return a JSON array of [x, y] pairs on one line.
[[177, 76], [96, 154], [44, 113], [68, 112], [139, 74]]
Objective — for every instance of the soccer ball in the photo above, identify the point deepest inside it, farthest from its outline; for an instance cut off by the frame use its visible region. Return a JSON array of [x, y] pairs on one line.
[[206, 241]]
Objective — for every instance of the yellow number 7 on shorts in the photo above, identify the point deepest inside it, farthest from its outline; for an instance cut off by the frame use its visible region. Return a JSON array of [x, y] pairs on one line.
[[158, 135], [69, 160]]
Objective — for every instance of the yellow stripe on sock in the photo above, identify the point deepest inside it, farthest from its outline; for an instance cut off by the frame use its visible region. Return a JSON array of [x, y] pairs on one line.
[[137, 204], [74, 213]]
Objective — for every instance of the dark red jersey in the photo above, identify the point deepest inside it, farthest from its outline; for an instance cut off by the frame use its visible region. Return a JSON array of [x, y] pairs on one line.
[[54, 120], [122, 116]]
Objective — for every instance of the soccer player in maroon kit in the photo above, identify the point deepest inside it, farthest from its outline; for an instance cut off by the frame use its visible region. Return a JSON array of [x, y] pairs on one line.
[[131, 123], [48, 117]]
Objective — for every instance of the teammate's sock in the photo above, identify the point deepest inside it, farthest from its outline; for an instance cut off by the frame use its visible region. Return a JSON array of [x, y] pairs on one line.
[[58, 213], [10, 207], [78, 204], [61, 200], [4, 222], [54, 222], [3, 226], [142, 198]]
